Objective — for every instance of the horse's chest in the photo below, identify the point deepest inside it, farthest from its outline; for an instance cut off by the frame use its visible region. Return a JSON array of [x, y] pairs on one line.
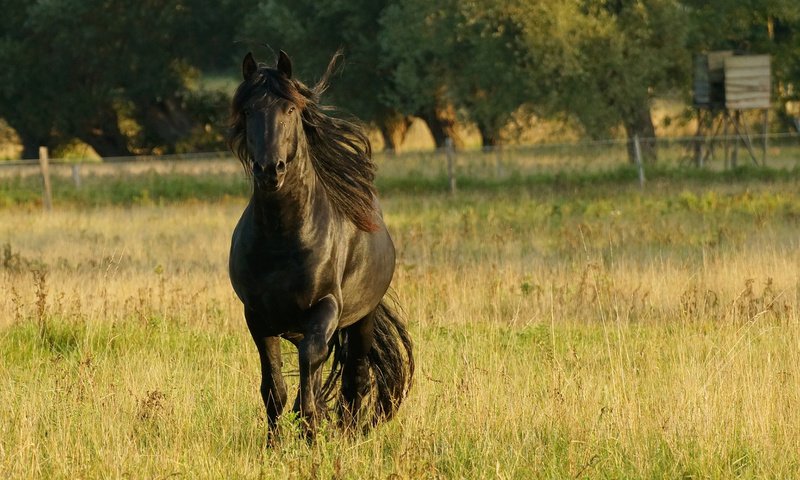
[[282, 281], [277, 276]]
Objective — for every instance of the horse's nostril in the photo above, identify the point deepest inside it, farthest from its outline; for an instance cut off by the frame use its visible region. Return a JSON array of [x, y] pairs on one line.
[[280, 167], [257, 168]]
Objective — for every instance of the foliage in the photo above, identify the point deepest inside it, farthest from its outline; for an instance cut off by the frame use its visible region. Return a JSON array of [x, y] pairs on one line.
[[606, 63], [491, 65], [418, 41], [455, 54], [81, 68], [124, 79], [312, 31]]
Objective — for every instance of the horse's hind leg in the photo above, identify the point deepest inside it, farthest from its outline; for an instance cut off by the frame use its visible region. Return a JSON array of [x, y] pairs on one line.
[[355, 371]]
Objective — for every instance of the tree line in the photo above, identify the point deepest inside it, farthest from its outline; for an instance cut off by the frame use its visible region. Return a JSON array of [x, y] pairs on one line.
[[122, 76]]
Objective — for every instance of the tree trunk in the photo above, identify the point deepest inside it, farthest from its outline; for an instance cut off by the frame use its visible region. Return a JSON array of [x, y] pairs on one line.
[[394, 129], [107, 144], [167, 122], [30, 147], [31, 139], [490, 137], [105, 136], [641, 123], [442, 124]]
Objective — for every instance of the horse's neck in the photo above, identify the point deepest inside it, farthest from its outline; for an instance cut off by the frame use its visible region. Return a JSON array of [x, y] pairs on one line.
[[296, 207]]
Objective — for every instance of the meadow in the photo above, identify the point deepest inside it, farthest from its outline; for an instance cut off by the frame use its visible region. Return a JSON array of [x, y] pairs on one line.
[[565, 327]]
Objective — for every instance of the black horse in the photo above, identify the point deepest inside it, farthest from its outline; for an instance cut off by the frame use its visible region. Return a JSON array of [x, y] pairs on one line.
[[311, 259]]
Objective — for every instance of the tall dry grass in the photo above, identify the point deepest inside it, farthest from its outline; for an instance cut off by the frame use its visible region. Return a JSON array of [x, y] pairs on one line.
[[582, 333]]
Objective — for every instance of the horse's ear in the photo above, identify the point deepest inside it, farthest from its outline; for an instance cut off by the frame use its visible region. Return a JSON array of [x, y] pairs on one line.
[[284, 64], [249, 66]]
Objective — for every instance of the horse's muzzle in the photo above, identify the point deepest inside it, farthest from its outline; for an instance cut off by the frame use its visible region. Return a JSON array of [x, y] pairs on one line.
[[271, 177]]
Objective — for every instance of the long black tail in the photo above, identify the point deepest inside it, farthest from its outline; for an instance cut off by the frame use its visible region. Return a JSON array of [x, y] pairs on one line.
[[391, 361]]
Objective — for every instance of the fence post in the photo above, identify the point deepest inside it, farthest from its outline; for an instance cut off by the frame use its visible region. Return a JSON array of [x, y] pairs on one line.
[[765, 145], [498, 152], [725, 139], [639, 164], [735, 153], [450, 153], [76, 174], [44, 164]]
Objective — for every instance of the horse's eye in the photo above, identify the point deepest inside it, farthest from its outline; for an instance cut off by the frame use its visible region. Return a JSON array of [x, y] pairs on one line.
[[291, 109], [246, 112]]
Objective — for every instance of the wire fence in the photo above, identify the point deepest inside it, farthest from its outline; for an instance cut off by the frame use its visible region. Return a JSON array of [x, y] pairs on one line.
[[780, 151], [719, 153]]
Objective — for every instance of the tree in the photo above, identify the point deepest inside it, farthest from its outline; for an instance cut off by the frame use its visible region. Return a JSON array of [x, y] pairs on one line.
[[490, 65], [81, 67], [418, 41], [598, 61], [420, 60], [607, 61], [312, 31]]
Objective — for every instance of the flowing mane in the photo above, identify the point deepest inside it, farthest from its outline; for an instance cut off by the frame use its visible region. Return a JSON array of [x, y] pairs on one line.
[[340, 150]]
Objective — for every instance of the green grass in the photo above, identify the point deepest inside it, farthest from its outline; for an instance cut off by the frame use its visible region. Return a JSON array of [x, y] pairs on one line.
[[131, 399], [151, 187], [141, 189]]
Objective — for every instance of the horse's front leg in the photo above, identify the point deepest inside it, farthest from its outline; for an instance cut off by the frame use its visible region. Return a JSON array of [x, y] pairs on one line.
[[319, 325], [273, 388], [316, 386]]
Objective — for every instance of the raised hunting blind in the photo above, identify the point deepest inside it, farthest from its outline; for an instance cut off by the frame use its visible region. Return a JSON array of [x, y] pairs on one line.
[[725, 85], [709, 80]]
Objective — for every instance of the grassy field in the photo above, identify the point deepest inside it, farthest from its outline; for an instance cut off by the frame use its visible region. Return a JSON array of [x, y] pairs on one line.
[[565, 327]]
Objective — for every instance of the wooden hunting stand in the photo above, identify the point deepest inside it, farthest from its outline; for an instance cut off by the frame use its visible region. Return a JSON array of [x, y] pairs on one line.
[[725, 86]]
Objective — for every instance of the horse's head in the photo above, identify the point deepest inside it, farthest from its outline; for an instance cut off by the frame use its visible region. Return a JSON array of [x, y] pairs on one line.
[[267, 127], [278, 128]]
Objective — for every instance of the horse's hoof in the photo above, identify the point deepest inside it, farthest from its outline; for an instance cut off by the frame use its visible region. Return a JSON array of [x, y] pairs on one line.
[[309, 429]]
